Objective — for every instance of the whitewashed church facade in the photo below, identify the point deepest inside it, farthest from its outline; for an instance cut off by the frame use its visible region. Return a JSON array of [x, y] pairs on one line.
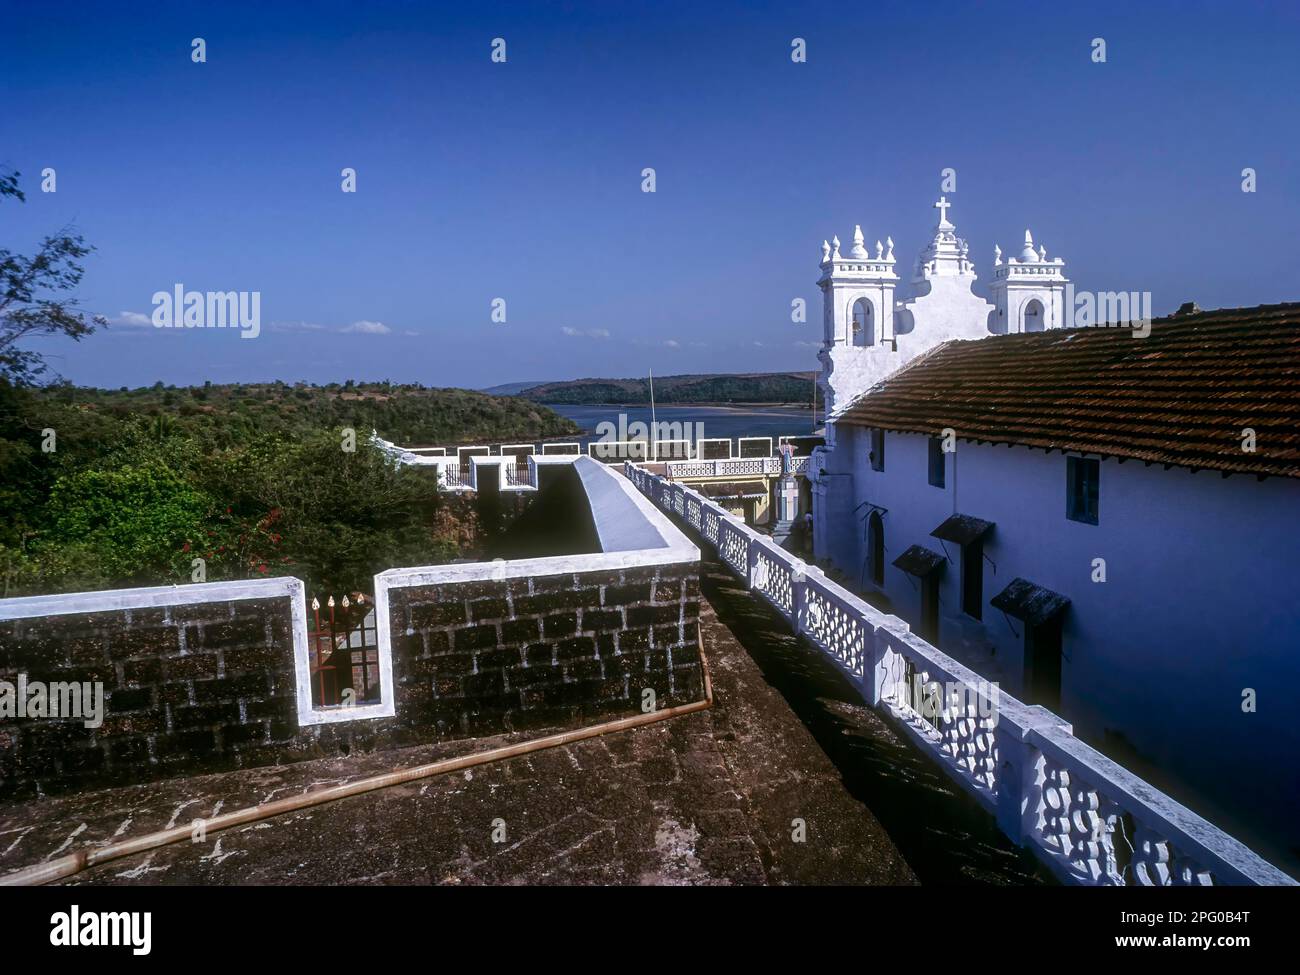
[[869, 333], [1048, 510]]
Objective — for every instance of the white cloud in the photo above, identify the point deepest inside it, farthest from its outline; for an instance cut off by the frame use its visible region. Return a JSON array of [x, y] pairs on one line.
[[673, 344], [590, 333], [132, 318], [364, 327]]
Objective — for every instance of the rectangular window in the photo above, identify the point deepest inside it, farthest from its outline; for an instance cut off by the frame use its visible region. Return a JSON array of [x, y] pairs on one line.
[[937, 459], [877, 450], [1082, 476], [972, 580]]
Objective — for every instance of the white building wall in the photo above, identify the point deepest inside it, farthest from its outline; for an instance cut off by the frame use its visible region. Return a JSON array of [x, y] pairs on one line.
[[1199, 603], [834, 498]]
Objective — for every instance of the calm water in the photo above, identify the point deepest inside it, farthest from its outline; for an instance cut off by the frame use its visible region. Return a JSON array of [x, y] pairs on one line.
[[715, 421]]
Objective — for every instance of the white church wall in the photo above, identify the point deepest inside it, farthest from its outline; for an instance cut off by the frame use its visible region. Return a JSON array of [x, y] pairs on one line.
[[947, 309], [1195, 607]]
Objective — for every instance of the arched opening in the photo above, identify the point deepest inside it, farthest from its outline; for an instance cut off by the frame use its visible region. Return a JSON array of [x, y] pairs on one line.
[[876, 548], [864, 324], [1034, 316]]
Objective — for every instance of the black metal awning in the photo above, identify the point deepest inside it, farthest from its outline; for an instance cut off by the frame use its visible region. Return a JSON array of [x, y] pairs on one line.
[[962, 529], [1030, 603], [919, 561], [731, 491]]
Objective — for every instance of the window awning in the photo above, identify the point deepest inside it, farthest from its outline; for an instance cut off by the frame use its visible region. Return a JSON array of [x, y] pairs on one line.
[[919, 561], [962, 529], [1030, 603], [732, 490]]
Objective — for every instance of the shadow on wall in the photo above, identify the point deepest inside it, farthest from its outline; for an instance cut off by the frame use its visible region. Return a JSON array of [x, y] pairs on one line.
[[557, 521]]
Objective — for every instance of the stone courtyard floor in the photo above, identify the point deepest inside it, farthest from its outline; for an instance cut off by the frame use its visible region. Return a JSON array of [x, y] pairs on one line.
[[709, 798]]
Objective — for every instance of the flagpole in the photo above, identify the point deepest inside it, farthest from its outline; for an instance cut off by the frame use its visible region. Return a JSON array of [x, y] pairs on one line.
[[654, 446]]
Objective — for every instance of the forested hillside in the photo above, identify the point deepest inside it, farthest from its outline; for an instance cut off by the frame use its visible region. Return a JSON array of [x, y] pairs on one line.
[[770, 387], [100, 489]]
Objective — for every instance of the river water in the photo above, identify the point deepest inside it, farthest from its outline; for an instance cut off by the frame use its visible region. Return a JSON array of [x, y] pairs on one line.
[[695, 422]]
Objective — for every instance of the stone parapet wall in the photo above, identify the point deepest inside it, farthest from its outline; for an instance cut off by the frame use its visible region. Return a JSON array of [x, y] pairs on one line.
[[210, 677], [192, 685], [485, 656]]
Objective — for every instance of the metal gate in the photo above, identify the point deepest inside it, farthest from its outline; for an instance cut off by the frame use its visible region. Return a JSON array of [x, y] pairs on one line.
[[344, 643]]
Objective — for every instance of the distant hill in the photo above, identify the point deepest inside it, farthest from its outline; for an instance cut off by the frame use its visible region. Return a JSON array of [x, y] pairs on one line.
[[756, 387], [509, 389]]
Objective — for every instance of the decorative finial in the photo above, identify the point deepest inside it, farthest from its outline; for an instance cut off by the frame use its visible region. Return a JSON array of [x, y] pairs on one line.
[[879, 250], [889, 244], [826, 252], [1042, 252], [1028, 255], [942, 206], [330, 602], [315, 603], [859, 252], [997, 255], [346, 604], [835, 246]]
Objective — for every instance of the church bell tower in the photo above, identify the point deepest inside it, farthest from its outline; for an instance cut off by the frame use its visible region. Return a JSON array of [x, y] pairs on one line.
[[857, 319], [1028, 291]]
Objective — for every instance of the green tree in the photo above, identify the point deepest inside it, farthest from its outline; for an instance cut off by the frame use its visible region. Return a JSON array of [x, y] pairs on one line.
[[32, 299], [331, 517], [132, 522]]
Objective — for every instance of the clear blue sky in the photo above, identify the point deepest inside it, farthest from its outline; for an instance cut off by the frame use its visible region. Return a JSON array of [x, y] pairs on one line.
[[523, 180]]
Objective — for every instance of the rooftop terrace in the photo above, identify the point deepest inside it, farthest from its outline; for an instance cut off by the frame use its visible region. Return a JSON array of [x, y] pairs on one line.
[[837, 747], [709, 798]]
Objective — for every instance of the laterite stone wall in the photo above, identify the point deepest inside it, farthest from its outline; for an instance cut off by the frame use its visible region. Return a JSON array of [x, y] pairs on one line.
[[192, 687], [204, 687], [481, 657]]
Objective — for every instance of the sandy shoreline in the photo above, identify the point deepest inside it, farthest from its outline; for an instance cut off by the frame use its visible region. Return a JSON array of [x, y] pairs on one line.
[[802, 407]]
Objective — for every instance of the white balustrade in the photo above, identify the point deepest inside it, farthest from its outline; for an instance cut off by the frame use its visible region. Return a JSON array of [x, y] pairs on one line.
[[1089, 819], [729, 468]]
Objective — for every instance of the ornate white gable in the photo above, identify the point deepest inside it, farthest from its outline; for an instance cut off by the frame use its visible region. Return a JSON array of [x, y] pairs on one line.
[[868, 334]]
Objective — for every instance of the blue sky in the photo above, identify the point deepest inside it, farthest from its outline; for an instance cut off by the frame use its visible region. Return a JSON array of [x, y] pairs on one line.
[[523, 180]]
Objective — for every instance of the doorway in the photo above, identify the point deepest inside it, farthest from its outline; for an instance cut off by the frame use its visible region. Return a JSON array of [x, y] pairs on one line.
[[876, 547], [930, 608], [1043, 664]]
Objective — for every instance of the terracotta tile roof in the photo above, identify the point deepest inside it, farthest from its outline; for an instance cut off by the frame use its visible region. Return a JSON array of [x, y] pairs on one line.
[[1181, 396]]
